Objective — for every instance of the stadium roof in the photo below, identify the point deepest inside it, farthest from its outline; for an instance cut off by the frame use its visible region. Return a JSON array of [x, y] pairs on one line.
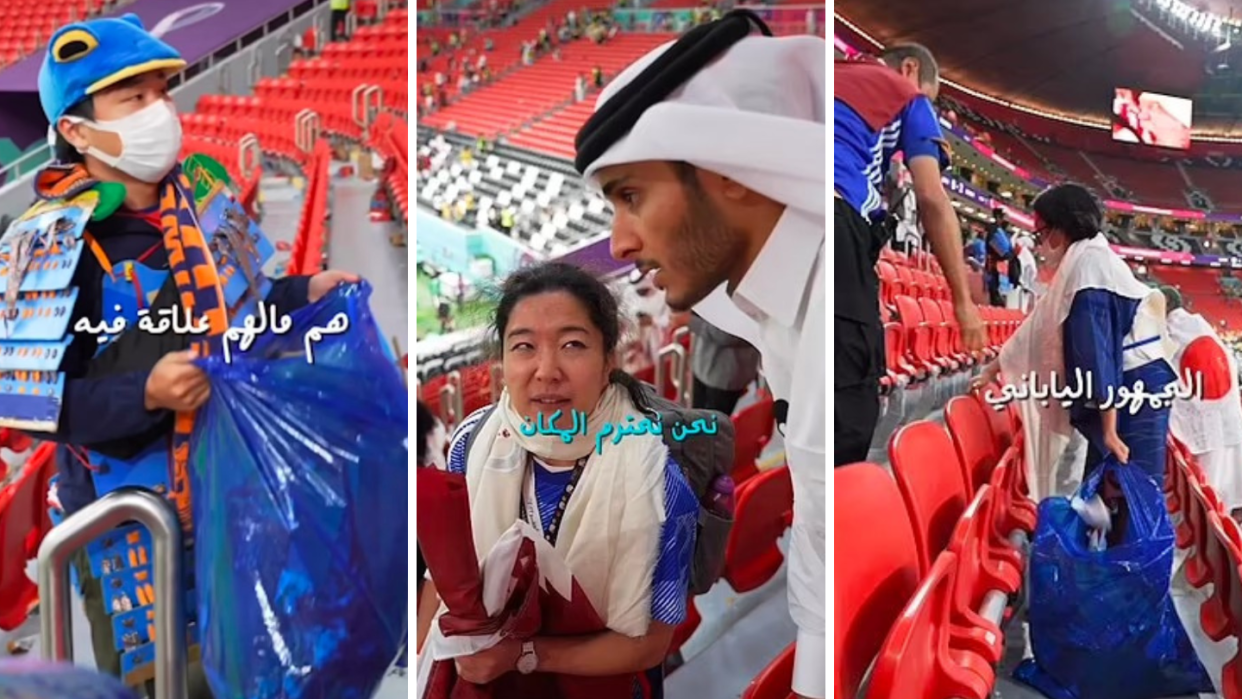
[[1059, 56]]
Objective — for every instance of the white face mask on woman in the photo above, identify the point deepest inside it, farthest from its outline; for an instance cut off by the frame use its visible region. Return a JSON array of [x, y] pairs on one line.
[[150, 141]]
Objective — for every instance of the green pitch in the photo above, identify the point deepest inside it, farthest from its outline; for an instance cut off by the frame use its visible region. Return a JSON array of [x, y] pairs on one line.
[[476, 312]]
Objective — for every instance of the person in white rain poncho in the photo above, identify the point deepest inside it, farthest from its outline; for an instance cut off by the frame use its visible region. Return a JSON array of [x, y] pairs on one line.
[[1208, 424], [710, 152]]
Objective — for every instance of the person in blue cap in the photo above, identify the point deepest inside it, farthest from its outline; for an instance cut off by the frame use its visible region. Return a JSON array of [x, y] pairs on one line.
[[107, 241]]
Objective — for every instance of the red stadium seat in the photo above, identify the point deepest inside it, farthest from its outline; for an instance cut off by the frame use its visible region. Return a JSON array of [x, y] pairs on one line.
[[929, 476], [762, 515], [921, 658], [883, 572], [918, 338], [23, 522], [972, 438], [752, 428], [1000, 421], [983, 567], [1224, 554], [775, 680], [1014, 510]]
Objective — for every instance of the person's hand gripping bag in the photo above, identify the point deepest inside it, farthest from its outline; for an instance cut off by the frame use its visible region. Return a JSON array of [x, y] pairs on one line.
[[299, 475]]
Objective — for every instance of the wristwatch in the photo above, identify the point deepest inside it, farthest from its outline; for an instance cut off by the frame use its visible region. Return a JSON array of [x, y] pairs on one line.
[[527, 661]]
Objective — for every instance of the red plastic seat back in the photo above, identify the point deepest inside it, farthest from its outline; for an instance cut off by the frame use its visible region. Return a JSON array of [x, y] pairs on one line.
[[894, 346], [877, 539], [752, 428], [910, 315], [972, 437], [763, 505], [941, 336], [915, 662], [23, 522], [1000, 421], [889, 283], [775, 680], [1227, 534], [929, 476]]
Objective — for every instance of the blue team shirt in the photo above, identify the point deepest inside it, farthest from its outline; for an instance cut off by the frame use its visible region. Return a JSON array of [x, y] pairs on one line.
[[977, 250], [999, 241], [1094, 337], [861, 157]]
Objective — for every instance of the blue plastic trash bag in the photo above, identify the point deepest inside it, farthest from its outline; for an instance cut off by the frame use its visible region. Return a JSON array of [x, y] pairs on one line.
[[31, 678], [1102, 623], [299, 480]]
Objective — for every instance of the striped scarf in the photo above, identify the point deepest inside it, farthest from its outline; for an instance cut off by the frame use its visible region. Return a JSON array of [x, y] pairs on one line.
[[202, 296]]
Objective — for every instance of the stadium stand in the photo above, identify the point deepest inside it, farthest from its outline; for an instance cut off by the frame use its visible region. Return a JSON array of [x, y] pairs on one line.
[[530, 93], [28, 23], [552, 209]]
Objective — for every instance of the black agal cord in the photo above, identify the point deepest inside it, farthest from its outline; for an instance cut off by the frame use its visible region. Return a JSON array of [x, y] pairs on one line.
[[682, 61]]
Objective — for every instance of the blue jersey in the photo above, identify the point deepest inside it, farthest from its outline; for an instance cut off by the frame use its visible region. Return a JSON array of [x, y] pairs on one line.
[[862, 157], [976, 250], [1000, 245]]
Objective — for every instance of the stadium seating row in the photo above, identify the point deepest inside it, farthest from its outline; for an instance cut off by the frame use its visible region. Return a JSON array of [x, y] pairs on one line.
[[919, 609], [921, 606], [1215, 543], [29, 23], [309, 248], [326, 85], [921, 334], [390, 138], [1114, 170], [532, 92]]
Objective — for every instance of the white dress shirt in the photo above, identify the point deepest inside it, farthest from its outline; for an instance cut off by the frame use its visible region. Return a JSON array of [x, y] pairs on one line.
[[779, 308]]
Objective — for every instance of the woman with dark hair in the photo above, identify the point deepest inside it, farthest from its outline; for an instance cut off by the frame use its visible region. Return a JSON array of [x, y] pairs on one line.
[[1101, 334], [623, 517], [1096, 320]]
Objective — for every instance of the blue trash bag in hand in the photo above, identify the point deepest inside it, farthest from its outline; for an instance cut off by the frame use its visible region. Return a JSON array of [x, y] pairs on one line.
[[299, 480], [1102, 623]]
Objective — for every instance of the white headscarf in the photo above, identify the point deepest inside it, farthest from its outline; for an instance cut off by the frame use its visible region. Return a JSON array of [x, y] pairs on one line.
[[755, 115]]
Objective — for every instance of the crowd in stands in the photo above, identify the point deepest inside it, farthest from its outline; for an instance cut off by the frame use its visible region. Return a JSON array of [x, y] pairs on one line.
[[472, 185], [1198, 183], [465, 54]]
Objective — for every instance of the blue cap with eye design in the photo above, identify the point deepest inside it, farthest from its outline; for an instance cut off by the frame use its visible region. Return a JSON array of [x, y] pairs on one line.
[[84, 58]]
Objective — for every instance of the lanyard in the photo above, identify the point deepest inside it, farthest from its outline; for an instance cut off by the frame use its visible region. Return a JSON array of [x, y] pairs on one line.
[[530, 508], [131, 275]]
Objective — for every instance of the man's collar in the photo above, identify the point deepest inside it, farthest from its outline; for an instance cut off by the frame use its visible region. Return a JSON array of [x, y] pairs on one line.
[[776, 282]]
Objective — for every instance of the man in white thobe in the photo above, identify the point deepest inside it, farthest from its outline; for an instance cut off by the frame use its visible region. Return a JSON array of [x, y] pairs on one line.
[[719, 190]]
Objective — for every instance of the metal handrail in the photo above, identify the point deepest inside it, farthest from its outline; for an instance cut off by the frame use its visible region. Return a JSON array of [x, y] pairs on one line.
[[89, 524]]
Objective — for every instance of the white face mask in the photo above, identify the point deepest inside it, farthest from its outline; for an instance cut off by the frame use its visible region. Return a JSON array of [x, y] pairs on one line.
[[150, 141]]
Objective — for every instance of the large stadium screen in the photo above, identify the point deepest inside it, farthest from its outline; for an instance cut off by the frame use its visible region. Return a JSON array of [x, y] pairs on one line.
[[1151, 119]]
